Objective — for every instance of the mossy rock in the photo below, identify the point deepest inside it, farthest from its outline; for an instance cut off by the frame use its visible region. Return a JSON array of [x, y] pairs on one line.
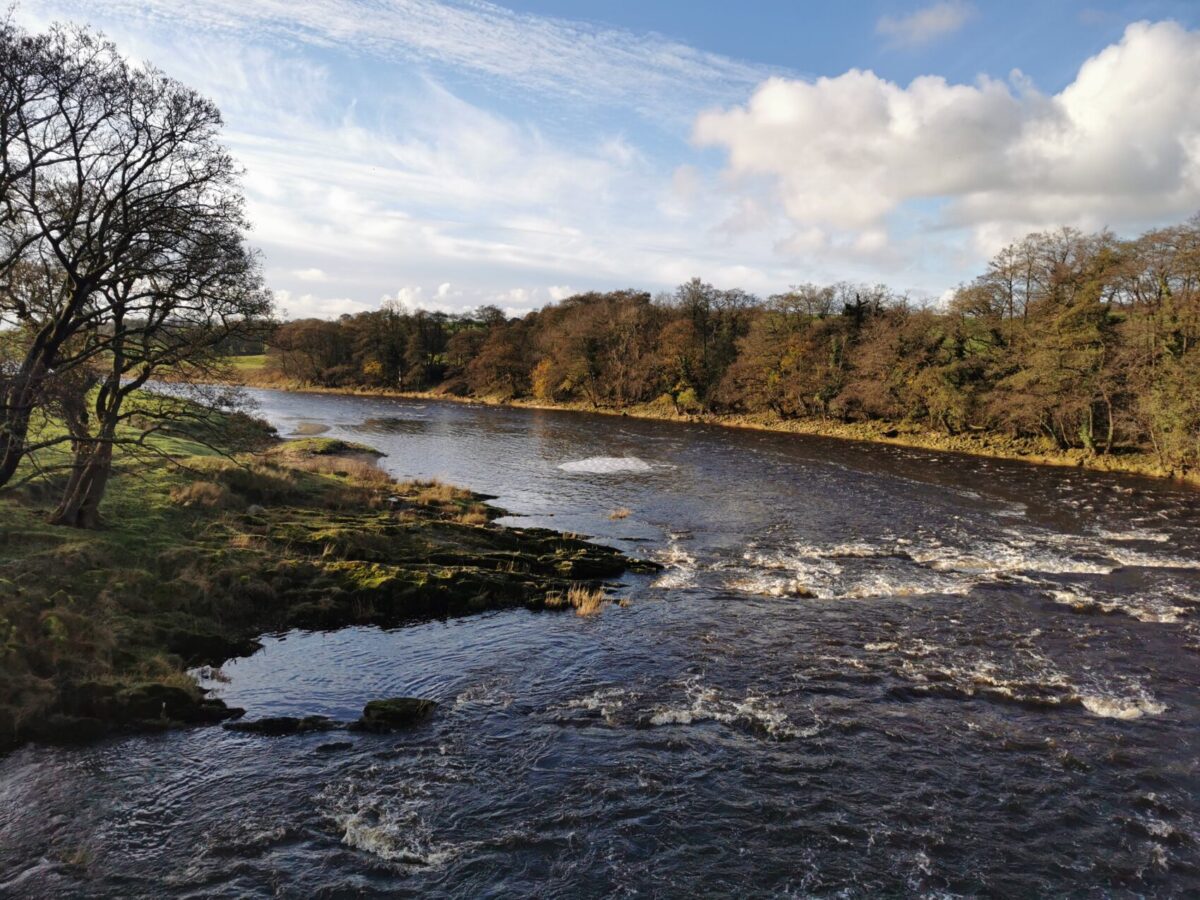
[[150, 701], [393, 713], [91, 708], [281, 726]]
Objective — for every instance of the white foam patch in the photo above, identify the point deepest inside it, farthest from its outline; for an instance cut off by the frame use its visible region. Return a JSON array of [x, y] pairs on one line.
[[844, 572], [391, 830], [1019, 555], [769, 585], [606, 701], [1121, 707], [1144, 609], [707, 704], [681, 567], [607, 465], [1027, 677], [484, 694], [1135, 534]]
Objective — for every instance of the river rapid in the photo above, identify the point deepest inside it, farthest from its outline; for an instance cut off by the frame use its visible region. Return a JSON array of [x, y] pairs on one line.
[[863, 670]]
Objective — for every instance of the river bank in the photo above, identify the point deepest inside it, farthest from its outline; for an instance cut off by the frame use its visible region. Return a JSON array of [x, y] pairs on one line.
[[901, 434], [212, 546]]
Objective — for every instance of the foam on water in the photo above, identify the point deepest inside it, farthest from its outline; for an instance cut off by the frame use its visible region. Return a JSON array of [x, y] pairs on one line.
[[486, 693], [1144, 609], [389, 828], [606, 701], [927, 565], [1134, 534], [1122, 707], [703, 703], [1022, 675], [662, 705], [607, 465], [844, 572], [680, 567]]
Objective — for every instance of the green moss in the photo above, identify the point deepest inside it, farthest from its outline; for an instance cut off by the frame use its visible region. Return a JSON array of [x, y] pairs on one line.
[[167, 583]]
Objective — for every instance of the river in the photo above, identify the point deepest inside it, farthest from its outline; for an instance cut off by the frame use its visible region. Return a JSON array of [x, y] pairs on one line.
[[864, 670]]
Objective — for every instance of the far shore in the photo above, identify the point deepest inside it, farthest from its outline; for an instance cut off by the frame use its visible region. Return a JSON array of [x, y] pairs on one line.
[[903, 434]]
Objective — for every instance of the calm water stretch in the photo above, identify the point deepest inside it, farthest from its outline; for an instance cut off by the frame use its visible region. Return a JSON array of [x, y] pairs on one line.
[[864, 670]]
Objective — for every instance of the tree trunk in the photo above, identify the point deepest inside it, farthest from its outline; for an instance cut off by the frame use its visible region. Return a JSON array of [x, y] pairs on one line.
[[80, 505], [19, 400]]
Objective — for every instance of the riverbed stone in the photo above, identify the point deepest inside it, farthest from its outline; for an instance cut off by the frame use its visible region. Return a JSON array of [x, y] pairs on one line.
[[393, 713], [280, 726]]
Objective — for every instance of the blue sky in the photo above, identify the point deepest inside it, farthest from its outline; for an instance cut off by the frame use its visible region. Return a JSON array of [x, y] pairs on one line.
[[448, 154]]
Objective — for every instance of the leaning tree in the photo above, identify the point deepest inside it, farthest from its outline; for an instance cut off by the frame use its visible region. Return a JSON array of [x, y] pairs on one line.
[[113, 178]]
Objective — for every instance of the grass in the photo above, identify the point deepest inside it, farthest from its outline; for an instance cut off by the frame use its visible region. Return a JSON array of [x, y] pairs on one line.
[[585, 599], [204, 548], [434, 492], [249, 363], [475, 514]]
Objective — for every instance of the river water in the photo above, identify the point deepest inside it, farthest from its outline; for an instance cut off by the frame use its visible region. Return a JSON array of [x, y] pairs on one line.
[[863, 670]]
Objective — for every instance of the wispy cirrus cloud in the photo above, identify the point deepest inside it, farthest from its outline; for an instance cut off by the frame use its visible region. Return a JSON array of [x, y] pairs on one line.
[[554, 56], [927, 24]]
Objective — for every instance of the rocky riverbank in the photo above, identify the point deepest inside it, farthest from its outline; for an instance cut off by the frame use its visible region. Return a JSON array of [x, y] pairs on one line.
[[205, 551]]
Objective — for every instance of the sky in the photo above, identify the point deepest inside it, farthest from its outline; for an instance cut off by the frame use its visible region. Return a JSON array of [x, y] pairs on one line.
[[444, 154]]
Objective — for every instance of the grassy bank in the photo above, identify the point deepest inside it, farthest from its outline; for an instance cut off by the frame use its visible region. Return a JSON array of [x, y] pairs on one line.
[[254, 372], [206, 547]]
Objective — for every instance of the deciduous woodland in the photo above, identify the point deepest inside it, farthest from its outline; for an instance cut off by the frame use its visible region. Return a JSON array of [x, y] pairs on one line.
[[1079, 341]]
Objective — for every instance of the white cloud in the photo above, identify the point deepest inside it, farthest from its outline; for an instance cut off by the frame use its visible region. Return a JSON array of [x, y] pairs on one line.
[[1120, 145], [410, 299], [927, 24], [310, 306], [546, 54], [310, 274]]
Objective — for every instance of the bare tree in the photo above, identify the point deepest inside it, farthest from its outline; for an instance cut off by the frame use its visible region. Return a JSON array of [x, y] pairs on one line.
[[173, 318], [112, 173]]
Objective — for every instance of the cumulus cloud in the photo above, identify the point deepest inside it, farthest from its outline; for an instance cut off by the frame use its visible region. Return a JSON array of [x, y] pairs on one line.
[[411, 298], [1120, 145], [294, 305], [925, 25]]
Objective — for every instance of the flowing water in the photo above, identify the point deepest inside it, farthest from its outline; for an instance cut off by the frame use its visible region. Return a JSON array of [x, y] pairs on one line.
[[863, 670]]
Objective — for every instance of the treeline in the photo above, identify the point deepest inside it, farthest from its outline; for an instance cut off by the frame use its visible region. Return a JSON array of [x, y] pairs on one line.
[[122, 257], [1082, 339]]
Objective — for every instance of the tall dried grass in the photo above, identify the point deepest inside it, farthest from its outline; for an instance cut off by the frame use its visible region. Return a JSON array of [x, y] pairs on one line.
[[586, 600], [356, 468], [433, 492]]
